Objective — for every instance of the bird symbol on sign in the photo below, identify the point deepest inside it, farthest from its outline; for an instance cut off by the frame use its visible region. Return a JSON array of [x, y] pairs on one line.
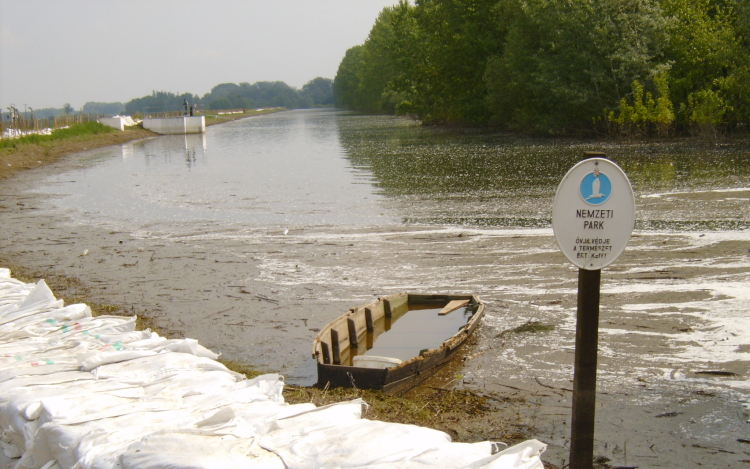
[[596, 184]]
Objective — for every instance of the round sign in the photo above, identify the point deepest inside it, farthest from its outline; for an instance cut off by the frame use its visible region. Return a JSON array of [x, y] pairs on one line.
[[594, 213]]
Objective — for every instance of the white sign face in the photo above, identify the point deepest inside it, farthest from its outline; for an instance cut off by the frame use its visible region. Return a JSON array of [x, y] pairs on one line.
[[594, 213]]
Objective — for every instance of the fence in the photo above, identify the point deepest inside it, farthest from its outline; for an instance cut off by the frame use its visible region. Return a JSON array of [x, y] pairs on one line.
[[20, 124]]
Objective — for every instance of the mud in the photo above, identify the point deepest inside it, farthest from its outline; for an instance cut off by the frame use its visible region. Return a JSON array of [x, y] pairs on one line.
[[258, 296]]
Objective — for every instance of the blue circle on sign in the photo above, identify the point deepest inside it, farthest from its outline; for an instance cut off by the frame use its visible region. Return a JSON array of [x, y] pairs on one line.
[[595, 189]]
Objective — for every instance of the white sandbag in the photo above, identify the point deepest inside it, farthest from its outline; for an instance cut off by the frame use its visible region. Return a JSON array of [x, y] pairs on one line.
[[57, 378], [19, 405], [102, 440], [39, 299], [264, 388], [521, 456], [192, 347], [100, 325], [43, 323], [42, 369], [12, 291], [194, 383], [260, 418], [104, 358], [195, 451], [159, 367]]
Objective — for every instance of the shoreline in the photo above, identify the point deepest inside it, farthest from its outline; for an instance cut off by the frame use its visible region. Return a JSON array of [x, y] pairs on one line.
[[254, 294], [30, 156]]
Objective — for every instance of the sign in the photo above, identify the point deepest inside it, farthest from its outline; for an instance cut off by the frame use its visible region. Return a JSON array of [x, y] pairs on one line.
[[594, 213]]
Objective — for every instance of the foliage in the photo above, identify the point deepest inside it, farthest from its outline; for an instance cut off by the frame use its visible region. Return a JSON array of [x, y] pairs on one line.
[[346, 84], [364, 75], [74, 131], [645, 115], [268, 94], [159, 101], [68, 109], [111, 109], [553, 66], [561, 66], [450, 43], [220, 103], [226, 96], [317, 92], [709, 48]]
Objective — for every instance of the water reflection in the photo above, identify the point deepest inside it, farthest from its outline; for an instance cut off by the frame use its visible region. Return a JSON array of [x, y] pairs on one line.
[[280, 169], [486, 178], [325, 167], [188, 147]]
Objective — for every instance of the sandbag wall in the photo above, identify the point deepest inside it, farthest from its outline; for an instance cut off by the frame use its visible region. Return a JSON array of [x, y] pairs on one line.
[[78, 391]]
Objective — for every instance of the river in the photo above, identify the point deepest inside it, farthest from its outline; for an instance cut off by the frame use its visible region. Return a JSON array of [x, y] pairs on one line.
[[259, 232]]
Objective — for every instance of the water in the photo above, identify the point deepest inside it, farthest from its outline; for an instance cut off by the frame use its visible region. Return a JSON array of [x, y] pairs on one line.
[[259, 233], [331, 168], [419, 329], [285, 169]]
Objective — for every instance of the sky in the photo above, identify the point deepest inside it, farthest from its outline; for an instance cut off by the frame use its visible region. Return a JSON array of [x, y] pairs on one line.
[[54, 52]]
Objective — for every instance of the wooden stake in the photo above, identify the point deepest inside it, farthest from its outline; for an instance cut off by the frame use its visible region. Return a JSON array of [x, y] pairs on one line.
[[584, 375]]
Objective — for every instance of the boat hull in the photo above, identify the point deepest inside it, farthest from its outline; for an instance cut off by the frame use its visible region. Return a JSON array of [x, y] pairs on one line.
[[342, 338]]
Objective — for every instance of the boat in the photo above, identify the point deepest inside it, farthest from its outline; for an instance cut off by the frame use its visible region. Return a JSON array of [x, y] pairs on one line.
[[396, 342]]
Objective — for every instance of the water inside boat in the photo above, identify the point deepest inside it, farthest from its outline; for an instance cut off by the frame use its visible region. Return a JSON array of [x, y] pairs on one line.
[[410, 331]]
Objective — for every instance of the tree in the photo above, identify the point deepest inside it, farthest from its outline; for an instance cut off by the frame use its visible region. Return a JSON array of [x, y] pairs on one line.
[[159, 101], [103, 108], [710, 53], [319, 92], [68, 109], [346, 83], [564, 62], [220, 103], [443, 48]]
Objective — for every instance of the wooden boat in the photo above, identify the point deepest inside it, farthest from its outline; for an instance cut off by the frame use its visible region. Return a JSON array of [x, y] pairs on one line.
[[348, 351]]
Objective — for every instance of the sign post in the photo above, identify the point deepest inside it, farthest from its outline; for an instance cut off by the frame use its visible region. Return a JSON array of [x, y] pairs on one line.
[[593, 217]]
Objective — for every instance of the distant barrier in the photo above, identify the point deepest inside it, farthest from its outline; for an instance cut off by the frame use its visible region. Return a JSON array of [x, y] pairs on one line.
[[21, 125], [176, 125]]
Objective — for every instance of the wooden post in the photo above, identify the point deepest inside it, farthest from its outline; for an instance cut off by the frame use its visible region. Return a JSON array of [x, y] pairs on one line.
[[584, 375]]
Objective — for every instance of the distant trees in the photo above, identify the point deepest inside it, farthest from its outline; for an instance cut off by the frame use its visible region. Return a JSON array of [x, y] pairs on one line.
[[317, 92], [632, 66], [103, 108], [159, 101]]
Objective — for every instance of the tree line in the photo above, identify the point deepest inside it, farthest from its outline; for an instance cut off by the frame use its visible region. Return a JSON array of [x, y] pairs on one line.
[[318, 92], [568, 66]]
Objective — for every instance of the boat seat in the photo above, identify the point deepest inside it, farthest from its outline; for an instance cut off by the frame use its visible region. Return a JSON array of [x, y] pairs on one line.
[[370, 361]]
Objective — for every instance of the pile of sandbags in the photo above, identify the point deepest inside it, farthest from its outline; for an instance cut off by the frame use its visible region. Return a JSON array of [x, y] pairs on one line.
[[78, 391]]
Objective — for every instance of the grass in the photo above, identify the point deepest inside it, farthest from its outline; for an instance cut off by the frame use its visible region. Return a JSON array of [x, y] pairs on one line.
[[74, 131]]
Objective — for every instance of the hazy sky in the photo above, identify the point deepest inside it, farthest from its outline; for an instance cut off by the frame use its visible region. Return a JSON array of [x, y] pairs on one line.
[[74, 51]]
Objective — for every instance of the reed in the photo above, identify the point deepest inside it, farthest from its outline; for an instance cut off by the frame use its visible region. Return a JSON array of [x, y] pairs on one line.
[[74, 131]]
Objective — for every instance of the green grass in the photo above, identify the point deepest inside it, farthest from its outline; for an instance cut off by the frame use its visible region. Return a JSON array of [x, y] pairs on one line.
[[74, 131]]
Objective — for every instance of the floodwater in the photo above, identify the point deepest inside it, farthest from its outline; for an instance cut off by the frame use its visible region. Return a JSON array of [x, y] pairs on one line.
[[253, 236], [417, 330]]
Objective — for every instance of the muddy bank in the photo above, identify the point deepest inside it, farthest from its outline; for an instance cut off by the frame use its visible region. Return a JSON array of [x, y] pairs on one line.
[[30, 156]]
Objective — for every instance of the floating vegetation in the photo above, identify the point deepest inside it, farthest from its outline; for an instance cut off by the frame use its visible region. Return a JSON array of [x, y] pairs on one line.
[[530, 326]]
